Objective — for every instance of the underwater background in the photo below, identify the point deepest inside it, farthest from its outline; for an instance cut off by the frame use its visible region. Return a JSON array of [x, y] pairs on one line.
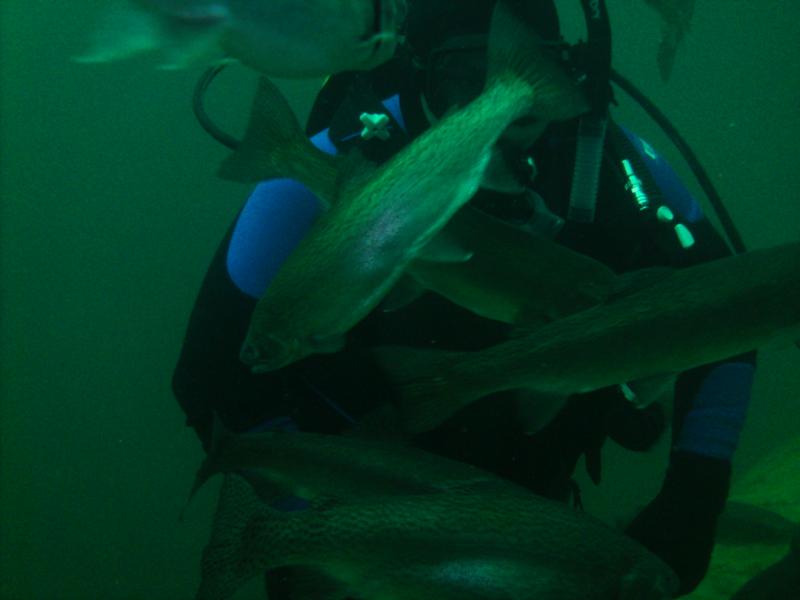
[[110, 213]]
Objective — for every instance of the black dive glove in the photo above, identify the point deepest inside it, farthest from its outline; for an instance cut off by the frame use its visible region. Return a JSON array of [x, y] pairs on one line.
[[679, 524]]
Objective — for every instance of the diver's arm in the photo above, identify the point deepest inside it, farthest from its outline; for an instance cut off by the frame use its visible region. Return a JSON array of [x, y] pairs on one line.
[[679, 524], [209, 378], [710, 405]]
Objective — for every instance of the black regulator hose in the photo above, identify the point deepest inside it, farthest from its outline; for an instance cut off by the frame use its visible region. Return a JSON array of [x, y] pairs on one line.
[[198, 105], [680, 143]]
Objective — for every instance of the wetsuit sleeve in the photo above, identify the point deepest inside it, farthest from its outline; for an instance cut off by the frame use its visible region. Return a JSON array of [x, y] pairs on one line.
[[209, 377]]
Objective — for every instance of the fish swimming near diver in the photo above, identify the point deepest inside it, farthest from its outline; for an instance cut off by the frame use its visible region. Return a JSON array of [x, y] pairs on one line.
[[692, 317], [511, 275], [485, 541], [676, 16], [385, 218], [282, 38], [310, 465]]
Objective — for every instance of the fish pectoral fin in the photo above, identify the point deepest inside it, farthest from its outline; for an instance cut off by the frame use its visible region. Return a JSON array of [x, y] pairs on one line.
[[405, 291], [444, 248]]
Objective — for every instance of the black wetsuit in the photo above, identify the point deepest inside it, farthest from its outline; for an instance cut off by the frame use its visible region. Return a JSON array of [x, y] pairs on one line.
[[325, 392]]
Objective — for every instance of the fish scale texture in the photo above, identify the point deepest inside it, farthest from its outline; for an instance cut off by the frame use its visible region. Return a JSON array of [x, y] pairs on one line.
[[464, 544]]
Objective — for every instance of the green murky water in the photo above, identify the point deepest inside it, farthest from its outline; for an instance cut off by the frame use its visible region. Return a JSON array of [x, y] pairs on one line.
[[110, 213]]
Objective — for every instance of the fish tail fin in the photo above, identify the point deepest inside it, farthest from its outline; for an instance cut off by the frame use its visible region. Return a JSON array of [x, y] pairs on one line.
[[274, 145], [220, 438], [425, 392], [667, 51], [238, 549], [123, 31], [515, 47], [186, 37]]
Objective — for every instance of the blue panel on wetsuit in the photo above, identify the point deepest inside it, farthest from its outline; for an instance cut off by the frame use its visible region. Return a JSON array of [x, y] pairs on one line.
[[718, 412], [393, 106], [677, 197], [276, 217]]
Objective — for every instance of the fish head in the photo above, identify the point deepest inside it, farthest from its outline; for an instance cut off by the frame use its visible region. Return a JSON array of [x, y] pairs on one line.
[[313, 38], [272, 352], [268, 353]]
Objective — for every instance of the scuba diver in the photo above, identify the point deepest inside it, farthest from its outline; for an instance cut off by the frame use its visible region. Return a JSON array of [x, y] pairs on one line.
[[588, 183]]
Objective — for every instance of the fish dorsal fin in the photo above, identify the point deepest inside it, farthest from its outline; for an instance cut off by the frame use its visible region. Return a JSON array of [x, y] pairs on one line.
[[221, 436], [274, 146]]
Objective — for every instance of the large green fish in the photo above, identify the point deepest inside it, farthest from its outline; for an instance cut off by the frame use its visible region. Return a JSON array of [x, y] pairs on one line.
[[485, 541], [676, 16], [511, 275], [356, 251], [282, 38], [310, 465], [692, 317]]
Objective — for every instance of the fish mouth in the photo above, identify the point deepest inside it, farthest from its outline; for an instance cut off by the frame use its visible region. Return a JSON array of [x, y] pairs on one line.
[[268, 354]]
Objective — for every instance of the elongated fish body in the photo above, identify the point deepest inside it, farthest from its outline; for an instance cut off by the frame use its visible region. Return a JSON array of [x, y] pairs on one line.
[[513, 276], [478, 542], [693, 317], [357, 251], [310, 465], [282, 38]]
